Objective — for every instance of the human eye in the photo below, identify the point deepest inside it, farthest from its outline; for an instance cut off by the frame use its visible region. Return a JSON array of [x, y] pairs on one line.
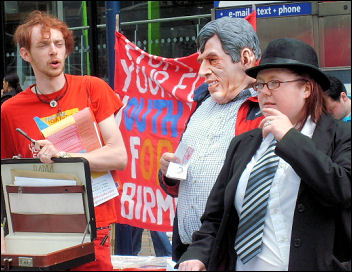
[[60, 43], [41, 44], [273, 84]]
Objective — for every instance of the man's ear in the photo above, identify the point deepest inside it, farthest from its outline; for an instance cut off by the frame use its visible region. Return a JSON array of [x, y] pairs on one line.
[[25, 54], [247, 58]]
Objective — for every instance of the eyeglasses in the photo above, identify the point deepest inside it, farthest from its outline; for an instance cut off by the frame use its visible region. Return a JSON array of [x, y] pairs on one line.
[[273, 84]]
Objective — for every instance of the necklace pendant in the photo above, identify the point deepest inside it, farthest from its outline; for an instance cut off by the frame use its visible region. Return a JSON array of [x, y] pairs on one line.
[[53, 103]]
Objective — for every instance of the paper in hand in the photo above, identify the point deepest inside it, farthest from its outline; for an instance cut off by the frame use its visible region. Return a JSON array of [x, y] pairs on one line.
[[179, 170]]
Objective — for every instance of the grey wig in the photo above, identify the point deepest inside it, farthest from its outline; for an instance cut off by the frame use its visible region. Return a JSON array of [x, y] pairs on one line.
[[235, 34]]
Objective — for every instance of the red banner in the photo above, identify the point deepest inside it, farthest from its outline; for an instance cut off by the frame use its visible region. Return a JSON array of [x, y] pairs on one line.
[[157, 93], [158, 96], [252, 19]]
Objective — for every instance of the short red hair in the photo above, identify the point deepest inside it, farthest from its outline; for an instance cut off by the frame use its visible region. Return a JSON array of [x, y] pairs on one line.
[[23, 32]]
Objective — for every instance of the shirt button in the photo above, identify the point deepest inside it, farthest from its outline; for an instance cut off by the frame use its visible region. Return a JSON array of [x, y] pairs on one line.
[[275, 211], [300, 208], [297, 242]]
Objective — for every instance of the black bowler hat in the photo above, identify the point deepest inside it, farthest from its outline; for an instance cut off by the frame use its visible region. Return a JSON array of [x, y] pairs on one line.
[[291, 53]]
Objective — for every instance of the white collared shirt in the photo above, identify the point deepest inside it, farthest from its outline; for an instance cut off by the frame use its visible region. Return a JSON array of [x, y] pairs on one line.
[[279, 218]]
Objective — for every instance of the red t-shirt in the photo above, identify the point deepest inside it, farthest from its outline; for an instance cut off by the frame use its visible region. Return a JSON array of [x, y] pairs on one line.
[[82, 92]]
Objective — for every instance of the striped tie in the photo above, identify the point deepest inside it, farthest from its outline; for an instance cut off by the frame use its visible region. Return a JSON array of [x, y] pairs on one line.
[[248, 241]]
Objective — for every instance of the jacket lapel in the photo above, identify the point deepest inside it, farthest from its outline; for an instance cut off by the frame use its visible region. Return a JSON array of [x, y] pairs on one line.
[[324, 127]]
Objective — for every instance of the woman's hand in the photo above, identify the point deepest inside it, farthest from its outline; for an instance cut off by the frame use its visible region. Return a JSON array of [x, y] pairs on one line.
[[275, 122], [192, 265], [165, 160]]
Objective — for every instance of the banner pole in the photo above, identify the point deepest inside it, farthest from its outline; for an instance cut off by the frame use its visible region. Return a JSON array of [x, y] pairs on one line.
[[112, 12]]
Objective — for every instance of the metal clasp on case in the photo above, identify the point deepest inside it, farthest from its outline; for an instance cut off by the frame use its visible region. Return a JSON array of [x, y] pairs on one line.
[[25, 261], [7, 262]]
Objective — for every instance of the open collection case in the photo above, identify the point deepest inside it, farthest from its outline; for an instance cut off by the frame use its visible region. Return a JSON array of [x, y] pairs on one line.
[[51, 226]]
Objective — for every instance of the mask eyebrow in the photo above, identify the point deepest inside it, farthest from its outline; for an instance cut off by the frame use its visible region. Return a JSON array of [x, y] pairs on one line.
[[207, 56], [211, 55]]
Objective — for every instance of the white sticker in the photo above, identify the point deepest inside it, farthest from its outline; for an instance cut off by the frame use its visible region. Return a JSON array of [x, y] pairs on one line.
[[179, 170]]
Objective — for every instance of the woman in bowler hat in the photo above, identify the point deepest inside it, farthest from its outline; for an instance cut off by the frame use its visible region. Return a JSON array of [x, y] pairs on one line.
[[282, 200]]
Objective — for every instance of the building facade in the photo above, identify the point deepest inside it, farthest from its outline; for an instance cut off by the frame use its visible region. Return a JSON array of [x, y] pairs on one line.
[[169, 29]]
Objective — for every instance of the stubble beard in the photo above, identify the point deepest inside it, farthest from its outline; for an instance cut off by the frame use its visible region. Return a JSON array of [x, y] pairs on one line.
[[54, 73]]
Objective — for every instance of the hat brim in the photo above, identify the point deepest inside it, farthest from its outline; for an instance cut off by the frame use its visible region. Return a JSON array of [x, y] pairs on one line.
[[315, 73]]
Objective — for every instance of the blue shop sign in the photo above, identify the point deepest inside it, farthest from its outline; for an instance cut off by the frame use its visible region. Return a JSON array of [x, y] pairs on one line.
[[267, 11]]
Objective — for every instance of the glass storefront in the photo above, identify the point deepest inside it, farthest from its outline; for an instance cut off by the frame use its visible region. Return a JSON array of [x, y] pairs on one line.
[[75, 14], [87, 20], [168, 38]]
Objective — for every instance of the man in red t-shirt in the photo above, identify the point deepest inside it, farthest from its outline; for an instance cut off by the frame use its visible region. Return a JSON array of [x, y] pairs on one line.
[[45, 42]]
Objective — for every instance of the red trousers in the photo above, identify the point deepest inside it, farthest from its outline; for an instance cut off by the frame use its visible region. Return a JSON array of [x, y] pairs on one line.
[[102, 254]]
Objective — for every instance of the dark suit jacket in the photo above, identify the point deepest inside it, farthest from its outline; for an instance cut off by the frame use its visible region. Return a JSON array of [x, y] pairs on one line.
[[321, 231]]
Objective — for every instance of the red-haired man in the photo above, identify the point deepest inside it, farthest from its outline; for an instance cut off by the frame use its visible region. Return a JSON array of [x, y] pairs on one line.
[[45, 42]]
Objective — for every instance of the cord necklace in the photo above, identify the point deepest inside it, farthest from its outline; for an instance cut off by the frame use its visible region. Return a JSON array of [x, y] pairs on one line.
[[52, 102]]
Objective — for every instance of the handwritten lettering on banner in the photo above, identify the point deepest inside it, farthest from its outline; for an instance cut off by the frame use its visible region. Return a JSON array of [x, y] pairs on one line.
[[158, 96]]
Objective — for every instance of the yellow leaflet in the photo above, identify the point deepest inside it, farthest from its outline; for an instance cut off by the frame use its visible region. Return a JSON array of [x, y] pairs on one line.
[[50, 120]]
